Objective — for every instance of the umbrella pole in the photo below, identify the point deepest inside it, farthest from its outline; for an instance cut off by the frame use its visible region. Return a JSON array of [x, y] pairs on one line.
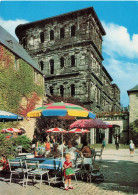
[[62, 152], [62, 148]]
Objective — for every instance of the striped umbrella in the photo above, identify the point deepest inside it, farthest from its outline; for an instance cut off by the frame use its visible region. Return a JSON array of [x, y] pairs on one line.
[[11, 130], [77, 130], [61, 110], [56, 130]]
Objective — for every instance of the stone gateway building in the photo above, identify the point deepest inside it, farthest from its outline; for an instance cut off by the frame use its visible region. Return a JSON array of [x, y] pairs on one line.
[[68, 49]]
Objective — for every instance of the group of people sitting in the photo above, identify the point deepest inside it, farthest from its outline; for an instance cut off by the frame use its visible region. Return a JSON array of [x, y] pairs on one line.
[[57, 149]]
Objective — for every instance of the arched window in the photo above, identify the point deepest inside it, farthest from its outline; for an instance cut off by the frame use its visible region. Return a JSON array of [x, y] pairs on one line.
[[62, 62], [73, 30], [62, 33], [42, 37], [61, 90], [72, 90], [52, 66], [51, 90], [24, 43], [41, 65], [73, 60], [51, 35]]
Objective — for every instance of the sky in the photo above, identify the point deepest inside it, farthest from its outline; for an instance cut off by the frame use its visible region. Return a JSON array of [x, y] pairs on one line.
[[119, 19]]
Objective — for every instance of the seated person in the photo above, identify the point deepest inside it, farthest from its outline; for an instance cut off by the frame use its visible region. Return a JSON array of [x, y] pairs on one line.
[[55, 152], [47, 145], [71, 150], [86, 151], [62, 145]]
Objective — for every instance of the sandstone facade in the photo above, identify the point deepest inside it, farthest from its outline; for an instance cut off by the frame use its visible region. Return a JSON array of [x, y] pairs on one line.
[[133, 104]]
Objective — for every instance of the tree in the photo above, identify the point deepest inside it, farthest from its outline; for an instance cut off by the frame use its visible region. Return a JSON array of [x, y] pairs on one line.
[[133, 129]]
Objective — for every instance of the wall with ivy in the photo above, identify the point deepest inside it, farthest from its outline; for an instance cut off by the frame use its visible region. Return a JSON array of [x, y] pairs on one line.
[[16, 84]]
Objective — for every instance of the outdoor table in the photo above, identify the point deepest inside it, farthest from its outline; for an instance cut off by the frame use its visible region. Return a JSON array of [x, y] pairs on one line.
[[25, 155], [48, 163], [51, 163]]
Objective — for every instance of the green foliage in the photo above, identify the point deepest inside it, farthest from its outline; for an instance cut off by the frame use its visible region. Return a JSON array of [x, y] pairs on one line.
[[134, 130], [7, 146], [15, 84], [24, 141]]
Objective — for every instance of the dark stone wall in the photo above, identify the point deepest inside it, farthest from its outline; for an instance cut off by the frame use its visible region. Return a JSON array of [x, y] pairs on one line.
[[82, 56]]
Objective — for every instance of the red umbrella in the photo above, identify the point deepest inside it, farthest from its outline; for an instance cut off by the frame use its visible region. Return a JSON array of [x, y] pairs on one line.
[[89, 123], [9, 136], [56, 130], [11, 130], [109, 125], [76, 130]]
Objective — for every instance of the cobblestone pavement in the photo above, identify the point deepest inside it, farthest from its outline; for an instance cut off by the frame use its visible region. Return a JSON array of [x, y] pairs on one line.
[[120, 178]]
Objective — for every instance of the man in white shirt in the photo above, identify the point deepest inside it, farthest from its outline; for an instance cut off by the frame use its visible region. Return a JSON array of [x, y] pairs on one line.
[[71, 150]]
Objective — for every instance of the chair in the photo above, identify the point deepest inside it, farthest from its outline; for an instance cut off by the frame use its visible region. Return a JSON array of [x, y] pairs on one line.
[[93, 155], [99, 153], [16, 167], [19, 149], [36, 170], [55, 165], [78, 162]]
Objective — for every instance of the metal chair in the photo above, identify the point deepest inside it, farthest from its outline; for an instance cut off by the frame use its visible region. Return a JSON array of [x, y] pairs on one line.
[[99, 153], [19, 149], [36, 171], [77, 166], [16, 168]]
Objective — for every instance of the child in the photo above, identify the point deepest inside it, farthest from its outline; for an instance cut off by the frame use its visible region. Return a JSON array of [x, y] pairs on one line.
[[68, 171]]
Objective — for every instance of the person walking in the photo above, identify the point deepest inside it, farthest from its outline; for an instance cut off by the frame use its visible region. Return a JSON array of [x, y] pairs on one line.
[[131, 148], [103, 143], [117, 143]]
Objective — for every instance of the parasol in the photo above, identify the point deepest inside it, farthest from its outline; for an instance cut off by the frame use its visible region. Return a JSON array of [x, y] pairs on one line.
[[77, 130], [11, 130], [61, 110], [56, 130], [9, 116], [89, 123]]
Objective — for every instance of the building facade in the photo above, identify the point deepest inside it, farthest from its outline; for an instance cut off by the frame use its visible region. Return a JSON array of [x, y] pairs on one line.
[[68, 49], [21, 81], [133, 104]]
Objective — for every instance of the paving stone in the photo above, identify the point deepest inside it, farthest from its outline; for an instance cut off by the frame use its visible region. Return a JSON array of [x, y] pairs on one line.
[[120, 173]]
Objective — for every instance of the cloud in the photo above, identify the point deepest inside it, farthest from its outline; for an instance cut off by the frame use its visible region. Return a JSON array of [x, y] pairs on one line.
[[118, 42], [121, 58], [10, 25], [124, 74]]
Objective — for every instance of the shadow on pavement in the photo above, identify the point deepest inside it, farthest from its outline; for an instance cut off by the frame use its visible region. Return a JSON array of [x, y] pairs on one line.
[[120, 176]]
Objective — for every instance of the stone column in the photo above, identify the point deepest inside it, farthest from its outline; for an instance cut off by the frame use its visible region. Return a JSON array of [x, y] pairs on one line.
[[92, 136], [107, 135]]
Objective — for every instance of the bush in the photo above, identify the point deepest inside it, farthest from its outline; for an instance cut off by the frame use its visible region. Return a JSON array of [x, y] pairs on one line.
[[8, 146], [24, 141]]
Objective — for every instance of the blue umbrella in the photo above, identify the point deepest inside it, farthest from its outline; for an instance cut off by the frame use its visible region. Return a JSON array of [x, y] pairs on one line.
[[9, 116]]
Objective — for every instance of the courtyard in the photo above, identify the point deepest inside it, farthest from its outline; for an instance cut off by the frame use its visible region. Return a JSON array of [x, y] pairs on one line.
[[120, 178]]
